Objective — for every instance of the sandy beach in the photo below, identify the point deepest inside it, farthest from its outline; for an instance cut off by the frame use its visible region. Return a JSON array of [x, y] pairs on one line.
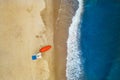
[[25, 27], [22, 33]]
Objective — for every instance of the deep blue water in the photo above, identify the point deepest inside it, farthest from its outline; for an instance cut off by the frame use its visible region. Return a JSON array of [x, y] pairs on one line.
[[100, 39]]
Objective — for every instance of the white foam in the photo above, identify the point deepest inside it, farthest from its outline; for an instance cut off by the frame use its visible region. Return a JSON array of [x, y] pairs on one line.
[[74, 66]]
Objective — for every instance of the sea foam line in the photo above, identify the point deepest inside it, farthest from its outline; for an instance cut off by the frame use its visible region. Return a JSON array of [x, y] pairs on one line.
[[74, 66]]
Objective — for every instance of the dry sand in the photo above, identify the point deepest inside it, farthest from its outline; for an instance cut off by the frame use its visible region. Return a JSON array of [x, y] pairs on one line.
[[22, 32]]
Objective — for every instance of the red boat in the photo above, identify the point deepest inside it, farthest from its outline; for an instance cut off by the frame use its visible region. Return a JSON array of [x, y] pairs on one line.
[[44, 49]]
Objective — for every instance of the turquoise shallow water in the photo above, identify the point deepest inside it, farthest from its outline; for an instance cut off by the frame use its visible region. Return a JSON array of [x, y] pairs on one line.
[[100, 39]]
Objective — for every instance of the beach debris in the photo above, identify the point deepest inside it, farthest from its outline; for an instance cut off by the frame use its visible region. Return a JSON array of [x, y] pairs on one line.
[[41, 50]]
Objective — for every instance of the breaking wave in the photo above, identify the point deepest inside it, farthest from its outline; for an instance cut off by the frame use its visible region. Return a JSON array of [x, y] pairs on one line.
[[74, 69]]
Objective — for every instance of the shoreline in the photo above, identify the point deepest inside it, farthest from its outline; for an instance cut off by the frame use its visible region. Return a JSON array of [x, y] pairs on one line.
[[66, 12]]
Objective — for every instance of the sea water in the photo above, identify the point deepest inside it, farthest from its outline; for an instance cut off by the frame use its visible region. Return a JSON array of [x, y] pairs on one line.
[[93, 44]]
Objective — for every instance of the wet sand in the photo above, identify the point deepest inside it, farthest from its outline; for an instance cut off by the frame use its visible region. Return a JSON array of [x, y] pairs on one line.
[[66, 12]]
